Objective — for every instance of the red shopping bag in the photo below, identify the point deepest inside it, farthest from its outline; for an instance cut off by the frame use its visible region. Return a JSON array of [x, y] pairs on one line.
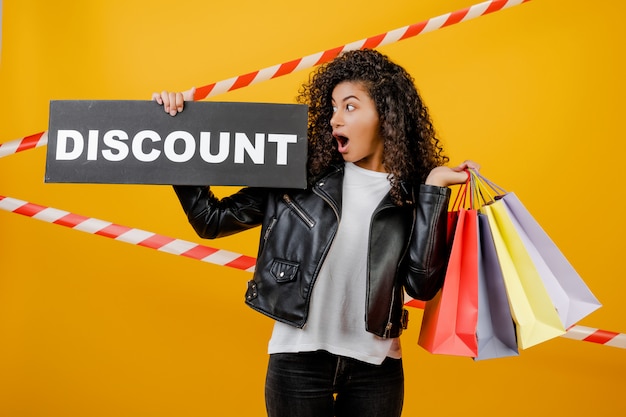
[[450, 318]]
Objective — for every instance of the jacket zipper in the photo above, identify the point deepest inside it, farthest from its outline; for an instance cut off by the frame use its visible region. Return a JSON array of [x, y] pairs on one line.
[[303, 216], [389, 323], [269, 229]]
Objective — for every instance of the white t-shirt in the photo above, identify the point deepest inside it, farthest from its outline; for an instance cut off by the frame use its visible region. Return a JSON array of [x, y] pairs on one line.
[[336, 321]]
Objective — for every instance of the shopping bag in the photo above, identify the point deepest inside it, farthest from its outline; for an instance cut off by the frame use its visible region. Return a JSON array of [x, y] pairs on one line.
[[570, 295], [450, 318], [534, 314], [495, 330]]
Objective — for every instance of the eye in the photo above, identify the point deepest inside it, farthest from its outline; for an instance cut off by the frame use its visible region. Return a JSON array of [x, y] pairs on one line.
[[350, 107], [334, 109]]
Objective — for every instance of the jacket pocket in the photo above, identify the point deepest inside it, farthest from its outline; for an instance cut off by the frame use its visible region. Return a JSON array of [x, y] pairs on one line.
[[284, 271]]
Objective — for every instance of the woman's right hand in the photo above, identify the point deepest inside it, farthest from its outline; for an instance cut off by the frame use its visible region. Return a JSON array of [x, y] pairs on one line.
[[173, 102], [444, 176]]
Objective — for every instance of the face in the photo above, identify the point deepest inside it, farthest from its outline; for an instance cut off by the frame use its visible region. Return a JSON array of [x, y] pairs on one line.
[[356, 126]]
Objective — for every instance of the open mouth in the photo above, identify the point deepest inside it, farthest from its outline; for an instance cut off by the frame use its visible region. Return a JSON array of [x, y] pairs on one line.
[[342, 141]]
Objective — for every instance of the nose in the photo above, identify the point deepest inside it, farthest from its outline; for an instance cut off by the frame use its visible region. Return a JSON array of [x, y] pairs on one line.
[[335, 119]]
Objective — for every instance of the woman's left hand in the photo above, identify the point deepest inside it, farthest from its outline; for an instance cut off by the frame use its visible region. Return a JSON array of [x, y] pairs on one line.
[[446, 176], [173, 102]]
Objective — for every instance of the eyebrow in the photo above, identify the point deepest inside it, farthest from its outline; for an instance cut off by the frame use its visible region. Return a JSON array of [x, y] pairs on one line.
[[347, 98]]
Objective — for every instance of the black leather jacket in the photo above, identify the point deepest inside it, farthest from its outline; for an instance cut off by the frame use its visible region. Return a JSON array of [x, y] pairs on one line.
[[407, 245]]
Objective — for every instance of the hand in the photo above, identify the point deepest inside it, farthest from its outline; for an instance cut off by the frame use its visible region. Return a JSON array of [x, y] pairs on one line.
[[172, 102], [445, 176]]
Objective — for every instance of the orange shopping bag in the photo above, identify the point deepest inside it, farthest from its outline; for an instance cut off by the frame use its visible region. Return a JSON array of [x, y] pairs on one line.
[[450, 318]]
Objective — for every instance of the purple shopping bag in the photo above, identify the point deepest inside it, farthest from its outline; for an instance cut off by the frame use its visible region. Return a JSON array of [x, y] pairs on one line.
[[495, 330]]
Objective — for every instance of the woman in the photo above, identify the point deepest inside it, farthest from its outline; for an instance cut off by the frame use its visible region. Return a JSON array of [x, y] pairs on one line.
[[334, 259]]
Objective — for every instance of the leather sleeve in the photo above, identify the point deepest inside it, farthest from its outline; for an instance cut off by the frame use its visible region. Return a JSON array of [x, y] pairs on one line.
[[212, 217], [428, 251]]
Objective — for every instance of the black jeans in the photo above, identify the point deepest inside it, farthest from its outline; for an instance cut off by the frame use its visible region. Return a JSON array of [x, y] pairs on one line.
[[305, 384]]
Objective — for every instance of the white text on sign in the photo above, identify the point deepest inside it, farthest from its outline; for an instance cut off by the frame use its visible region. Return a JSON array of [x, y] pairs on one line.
[[178, 146]]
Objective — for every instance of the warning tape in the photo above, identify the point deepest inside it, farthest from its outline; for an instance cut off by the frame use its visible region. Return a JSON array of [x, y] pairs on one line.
[[127, 234], [382, 39], [24, 144], [603, 337], [216, 256], [309, 61]]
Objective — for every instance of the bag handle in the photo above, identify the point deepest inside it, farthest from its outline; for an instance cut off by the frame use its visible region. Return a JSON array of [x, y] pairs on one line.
[[477, 191], [461, 197], [499, 191], [482, 192]]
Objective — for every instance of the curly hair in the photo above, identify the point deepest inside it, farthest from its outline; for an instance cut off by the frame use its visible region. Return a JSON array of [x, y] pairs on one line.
[[411, 146]]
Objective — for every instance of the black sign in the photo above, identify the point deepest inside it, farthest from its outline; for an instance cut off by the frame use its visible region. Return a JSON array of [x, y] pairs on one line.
[[209, 143]]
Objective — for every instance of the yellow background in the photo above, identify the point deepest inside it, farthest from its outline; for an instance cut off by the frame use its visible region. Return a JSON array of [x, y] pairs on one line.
[[94, 327]]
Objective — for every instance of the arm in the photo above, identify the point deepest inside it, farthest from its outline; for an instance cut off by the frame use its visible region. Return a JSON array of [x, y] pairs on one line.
[[212, 218], [209, 216], [429, 251]]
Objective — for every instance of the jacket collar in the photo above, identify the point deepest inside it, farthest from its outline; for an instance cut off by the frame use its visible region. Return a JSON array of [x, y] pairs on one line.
[[330, 185]]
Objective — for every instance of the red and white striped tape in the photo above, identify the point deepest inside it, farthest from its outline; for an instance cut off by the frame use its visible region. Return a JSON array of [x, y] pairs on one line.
[[24, 144], [603, 337], [310, 61], [382, 39], [127, 234], [216, 256]]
